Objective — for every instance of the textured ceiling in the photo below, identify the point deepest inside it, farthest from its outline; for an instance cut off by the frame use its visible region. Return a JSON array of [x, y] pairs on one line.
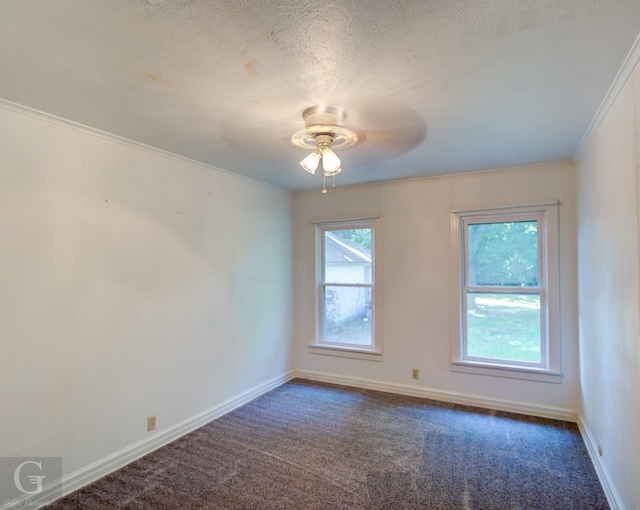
[[433, 86]]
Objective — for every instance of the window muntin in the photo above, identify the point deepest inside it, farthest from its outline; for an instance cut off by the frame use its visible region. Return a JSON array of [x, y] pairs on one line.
[[506, 292], [346, 286]]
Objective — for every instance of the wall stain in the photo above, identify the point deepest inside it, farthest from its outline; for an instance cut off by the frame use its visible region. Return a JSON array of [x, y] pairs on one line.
[[161, 81], [250, 68]]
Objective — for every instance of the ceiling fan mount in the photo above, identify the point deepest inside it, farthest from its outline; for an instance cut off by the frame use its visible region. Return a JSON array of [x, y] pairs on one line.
[[323, 124]]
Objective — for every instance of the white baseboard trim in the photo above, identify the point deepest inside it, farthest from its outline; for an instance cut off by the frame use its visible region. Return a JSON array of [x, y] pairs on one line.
[[556, 413], [121, 458], [613, 497]]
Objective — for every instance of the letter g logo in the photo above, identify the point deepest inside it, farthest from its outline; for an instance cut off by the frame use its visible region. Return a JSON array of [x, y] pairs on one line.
[[34, 480]]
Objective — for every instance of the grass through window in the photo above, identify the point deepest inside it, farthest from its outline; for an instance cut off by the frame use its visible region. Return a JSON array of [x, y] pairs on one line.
[[504, 326]]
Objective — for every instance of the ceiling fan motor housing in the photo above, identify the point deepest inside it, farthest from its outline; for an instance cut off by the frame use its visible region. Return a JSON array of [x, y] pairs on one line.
[[323, 125], [323, 115]]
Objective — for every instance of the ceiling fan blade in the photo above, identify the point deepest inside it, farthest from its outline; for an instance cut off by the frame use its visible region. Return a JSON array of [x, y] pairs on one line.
[[386, 129]]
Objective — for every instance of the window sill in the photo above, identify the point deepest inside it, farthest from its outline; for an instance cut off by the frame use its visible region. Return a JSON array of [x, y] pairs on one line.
[[346, 352], [510, 371]]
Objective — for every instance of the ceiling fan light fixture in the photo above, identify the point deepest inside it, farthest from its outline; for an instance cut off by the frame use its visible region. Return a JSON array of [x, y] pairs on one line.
[[330, 162], [310, 163], [324, 132]]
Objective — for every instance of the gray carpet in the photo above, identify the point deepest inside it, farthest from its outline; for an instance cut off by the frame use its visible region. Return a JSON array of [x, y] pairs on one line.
[[310, 446]]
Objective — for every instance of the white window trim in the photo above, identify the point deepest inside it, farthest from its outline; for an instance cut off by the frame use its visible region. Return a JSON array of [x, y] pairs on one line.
[[317, 346], [549, 368]]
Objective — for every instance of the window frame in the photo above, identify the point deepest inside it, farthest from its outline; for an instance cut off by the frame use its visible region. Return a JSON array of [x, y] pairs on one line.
[[546, 215], [318, 344]]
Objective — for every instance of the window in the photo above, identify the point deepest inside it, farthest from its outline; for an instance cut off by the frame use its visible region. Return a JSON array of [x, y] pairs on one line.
[[506, 297], [346, 291]]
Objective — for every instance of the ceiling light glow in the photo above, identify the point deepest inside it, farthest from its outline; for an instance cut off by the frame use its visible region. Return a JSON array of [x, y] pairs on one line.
[[322, 134]]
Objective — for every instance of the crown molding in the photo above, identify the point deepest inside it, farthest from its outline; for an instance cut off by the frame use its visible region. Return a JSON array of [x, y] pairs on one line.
[[5, 104], [624, 75]]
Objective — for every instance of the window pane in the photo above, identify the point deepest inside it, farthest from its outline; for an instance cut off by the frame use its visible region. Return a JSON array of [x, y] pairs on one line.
[[347, 315], [347, 256], [503, 326], [503, 253]]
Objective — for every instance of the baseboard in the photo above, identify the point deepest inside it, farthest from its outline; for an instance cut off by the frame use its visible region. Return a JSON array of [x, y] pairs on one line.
[[121, 458], [556, 413], [613, 498]]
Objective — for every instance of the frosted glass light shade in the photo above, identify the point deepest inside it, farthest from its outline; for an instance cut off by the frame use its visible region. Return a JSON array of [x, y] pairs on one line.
[[310, 163], [330, 162]]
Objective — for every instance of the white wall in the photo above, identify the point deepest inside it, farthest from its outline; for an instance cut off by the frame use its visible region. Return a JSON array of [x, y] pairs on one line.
[[608, 292], [416, 285], [132, 283]]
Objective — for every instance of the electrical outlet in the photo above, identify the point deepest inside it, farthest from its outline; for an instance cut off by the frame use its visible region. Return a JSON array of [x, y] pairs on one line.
[[415, 373], [151, 423]]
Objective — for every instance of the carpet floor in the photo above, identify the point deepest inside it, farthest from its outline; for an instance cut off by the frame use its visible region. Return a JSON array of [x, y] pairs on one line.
[[308, 445]]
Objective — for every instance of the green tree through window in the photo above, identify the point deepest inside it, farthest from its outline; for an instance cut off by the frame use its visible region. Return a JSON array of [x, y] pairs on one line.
[[506, 289], [503, 253], [360, 236], [502, 296]]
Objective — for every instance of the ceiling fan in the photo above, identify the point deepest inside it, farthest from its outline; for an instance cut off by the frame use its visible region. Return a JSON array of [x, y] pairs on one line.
[[369, 133], [323, 132]]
